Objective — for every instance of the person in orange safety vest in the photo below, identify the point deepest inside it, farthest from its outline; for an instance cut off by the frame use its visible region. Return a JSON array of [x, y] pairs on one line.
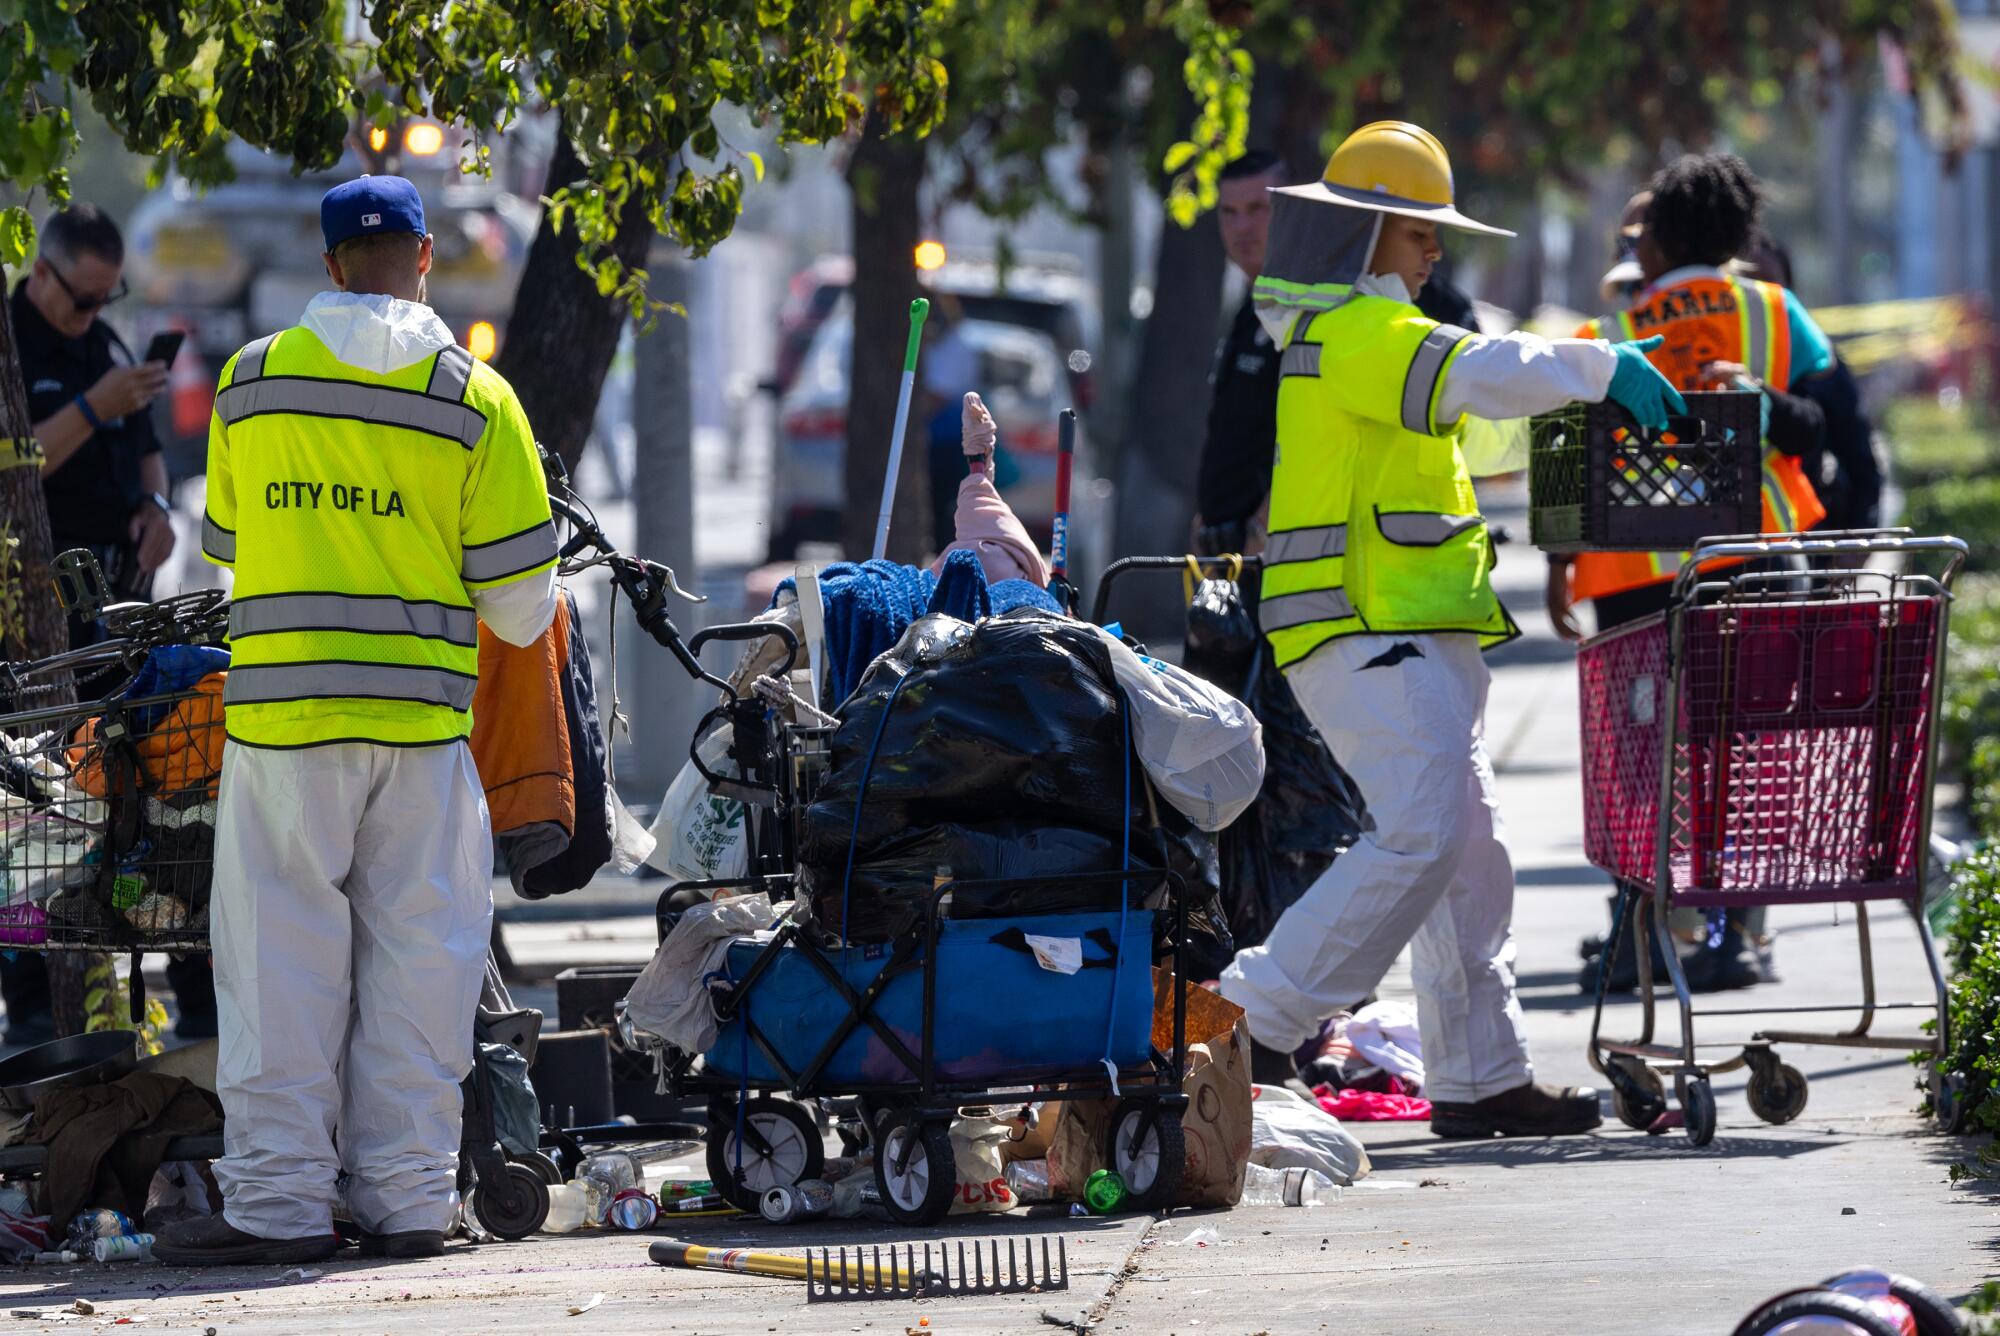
[[1720, 330]]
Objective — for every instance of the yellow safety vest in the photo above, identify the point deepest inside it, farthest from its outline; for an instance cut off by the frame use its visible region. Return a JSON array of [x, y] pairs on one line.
[[359, 511], [1374, 524]]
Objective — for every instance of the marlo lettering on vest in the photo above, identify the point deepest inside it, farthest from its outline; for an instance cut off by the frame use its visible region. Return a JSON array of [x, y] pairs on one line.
[[381, 502]]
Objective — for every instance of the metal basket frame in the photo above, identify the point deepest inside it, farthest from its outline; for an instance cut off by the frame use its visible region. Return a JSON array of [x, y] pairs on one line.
[[175, 864], [1700, 586]]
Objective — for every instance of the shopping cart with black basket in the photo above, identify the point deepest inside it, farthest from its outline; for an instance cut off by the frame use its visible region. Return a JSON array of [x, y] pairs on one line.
[[1767, 740]]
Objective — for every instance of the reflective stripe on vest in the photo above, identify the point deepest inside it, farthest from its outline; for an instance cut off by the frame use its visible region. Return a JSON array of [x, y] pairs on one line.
[[1314, 605], [1418, 528], [1420, 384], [348, 680], [484, 563], [217, 541], [366, 614], [377, 404], [1612, 328], [1300, 359], [250, 362], [1327, 540]]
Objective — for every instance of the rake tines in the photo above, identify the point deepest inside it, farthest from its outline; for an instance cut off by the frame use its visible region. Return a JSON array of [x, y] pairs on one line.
[[866, 1276]]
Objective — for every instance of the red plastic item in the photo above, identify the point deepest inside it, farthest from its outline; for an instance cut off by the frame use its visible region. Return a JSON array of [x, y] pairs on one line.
[[1372, 1106], [1800, 737]]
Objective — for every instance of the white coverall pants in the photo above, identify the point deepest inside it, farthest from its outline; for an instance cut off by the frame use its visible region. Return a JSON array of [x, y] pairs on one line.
[[1430, 869], [351, 911]]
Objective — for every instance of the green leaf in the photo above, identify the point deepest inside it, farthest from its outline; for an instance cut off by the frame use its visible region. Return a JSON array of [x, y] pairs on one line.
[[1179, 156], [17, 235], [756, 163]]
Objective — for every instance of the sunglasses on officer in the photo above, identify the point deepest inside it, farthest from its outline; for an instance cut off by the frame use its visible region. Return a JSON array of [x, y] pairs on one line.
[[96, 301]]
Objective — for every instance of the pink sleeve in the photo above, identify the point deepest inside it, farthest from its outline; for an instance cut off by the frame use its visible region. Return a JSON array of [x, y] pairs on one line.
[[987, 527]]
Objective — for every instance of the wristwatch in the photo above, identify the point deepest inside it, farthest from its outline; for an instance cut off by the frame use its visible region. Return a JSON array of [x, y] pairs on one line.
[[166, 506]]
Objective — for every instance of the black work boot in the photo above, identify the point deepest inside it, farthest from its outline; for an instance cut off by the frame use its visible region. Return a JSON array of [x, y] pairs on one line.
[[1732, 963], [210, 1240], [404, 1243], [1533, 1110]]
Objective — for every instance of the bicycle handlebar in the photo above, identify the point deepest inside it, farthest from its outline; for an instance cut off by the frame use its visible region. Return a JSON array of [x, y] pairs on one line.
[[751, 631]]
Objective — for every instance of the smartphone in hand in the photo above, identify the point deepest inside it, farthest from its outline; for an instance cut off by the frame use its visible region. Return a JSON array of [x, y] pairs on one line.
[[165, 347]]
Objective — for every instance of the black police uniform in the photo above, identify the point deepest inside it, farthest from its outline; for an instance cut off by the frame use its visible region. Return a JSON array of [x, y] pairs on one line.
[[92, 497], [1236, 457]]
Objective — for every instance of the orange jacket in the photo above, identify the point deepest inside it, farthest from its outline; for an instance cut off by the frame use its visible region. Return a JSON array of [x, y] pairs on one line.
[[181, 752], [520, 736]]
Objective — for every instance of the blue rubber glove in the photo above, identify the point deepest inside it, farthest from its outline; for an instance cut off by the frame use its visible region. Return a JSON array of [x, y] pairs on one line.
[[1639, 386]]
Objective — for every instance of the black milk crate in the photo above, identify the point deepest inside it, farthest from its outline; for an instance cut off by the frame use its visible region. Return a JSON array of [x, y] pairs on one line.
[[1597, 483]]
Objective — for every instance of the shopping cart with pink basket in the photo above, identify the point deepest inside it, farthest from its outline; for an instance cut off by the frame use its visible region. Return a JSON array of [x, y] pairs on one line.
[[1767, 740]]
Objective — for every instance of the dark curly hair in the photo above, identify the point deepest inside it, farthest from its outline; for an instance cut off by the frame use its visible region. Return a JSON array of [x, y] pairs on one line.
[[1705, 208]]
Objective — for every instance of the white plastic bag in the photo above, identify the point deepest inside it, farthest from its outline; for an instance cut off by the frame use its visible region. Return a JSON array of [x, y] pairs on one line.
[[982, 1180], [1289, 1132], [700, 836], [1202, 746], [670, 999]]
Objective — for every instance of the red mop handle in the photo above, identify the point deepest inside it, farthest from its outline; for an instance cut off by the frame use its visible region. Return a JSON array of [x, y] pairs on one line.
[[1065, 463]]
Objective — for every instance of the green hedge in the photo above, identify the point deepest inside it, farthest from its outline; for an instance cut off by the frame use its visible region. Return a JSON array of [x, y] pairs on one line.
[[1974, 960], [1970, 726], [1966, 507], [1929, 442]]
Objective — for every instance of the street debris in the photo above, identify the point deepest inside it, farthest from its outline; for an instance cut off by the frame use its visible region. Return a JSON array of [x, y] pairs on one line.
[[1202, 1236], [577, 1310]]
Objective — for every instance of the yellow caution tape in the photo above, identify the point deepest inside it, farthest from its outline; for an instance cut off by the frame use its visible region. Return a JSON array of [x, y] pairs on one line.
[[21, 452]]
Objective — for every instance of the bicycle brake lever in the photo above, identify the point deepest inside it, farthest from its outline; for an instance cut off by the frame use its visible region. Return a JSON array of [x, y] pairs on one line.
[[666, 575]]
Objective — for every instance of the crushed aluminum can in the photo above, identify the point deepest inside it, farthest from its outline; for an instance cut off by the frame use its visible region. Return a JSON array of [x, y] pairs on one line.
[[633, 1210], [799, 1202]]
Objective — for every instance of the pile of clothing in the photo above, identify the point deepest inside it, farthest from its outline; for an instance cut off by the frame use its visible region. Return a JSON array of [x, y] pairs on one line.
[[109, 827]]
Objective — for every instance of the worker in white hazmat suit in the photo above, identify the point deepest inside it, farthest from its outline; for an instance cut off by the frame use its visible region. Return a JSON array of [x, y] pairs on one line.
[[378, 494], [1377, 605]]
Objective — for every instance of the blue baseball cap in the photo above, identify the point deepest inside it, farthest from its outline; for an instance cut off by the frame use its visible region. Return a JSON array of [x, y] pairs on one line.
[[369, 206]]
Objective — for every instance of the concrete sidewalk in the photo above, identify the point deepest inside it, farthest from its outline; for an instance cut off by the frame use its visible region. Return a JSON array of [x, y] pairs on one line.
[[1616, 1233]]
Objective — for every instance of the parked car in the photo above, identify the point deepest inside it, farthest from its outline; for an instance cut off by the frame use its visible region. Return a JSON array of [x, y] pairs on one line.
[[1019, 374], [1043, 293]]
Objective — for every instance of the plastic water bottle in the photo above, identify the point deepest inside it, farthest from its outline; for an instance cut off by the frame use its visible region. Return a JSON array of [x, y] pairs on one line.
[[569, 1209], [606, 1174], [1287, 1187]]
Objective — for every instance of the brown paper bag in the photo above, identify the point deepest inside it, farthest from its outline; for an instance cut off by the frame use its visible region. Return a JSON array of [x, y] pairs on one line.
[[1215, 1126]]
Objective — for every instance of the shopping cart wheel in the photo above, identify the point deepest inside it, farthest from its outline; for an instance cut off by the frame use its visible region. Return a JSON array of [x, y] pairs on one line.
[[1777, 1092], [780, 1147], [512, 1205], [1149, 1159], [544, 1166], [1641, 1109], [914, 1168], [1698, 1108]]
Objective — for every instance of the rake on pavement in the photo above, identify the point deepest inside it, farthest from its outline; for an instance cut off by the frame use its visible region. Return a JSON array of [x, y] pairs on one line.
[[866, 1275]]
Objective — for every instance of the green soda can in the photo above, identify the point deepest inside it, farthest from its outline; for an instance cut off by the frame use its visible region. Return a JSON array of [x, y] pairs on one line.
[[1104, 1191]]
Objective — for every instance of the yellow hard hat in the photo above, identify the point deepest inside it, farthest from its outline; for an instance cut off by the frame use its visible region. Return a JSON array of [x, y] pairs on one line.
[[1392, 167]]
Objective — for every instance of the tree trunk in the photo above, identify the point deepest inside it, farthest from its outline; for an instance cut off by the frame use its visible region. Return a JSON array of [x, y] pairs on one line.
[[34, 627], [562, 333], [883, 178], [1168, 418]]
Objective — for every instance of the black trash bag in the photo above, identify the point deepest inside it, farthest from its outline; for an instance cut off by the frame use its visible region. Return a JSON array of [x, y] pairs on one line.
[[1012, 719], [1006, 754], [1221, 636], [1307, 812], [888, 891]]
